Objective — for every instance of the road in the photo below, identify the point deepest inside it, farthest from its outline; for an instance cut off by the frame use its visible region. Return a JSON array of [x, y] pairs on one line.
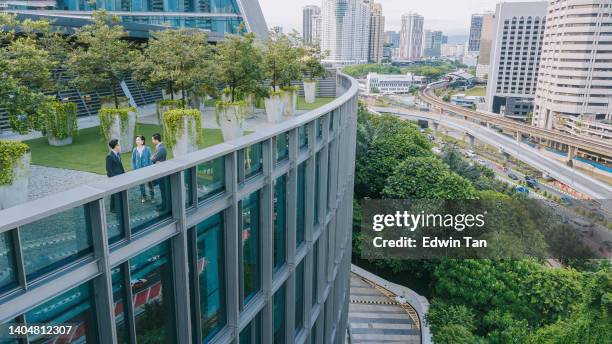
[[565, 174]]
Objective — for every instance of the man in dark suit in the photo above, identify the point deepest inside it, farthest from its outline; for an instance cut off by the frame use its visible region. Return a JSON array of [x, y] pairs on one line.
[[114, 167], [161, 155]]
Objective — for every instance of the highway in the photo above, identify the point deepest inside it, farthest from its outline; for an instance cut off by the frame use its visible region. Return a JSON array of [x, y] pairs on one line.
[[577, 180]]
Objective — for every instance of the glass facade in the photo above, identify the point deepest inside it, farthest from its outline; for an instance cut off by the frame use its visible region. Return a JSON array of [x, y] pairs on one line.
[[282, 147], [303, 137], [198, 271]]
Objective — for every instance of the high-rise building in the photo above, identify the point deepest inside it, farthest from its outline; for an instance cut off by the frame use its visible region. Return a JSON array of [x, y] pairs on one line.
[[377, 29], [432, 42], [486, 39], [392, 37], [311, 24], [217, 16], [453, 51], [574, 89], [475, 32], [278, 30], [345, 31], [411, 36], [515, 57]]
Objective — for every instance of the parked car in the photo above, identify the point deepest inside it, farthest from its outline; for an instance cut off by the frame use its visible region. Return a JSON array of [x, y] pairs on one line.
[[532, 183], [513, 176], [522, 189], [567, 200], [470, 153]]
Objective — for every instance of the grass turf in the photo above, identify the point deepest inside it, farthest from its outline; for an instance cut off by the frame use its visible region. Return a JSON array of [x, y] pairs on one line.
[[89, 149], [319, 101], [475, 91]]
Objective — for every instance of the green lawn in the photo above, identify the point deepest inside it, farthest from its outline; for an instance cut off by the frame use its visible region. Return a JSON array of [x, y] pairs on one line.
[[89, 149], [319, 101], [476, 91]]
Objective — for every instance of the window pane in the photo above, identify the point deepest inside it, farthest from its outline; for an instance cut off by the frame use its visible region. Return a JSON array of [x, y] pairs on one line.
[[280, 222], [252, 160], [315, 272], [301, 204], [55, 241], [251, 334], [76, 307], [188, 188], [251, 267], [303, 136], [299, 298], [119, 299], [113, 204], [278, 316], [151, 211], [211, 178], [319, 126], [282, 147], [152, 295], [8, 277], [331, 120], [5, 338], [316, 191], [211, 279]]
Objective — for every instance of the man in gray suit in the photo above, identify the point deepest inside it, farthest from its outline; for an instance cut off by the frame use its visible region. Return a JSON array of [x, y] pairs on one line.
[[160, 155]]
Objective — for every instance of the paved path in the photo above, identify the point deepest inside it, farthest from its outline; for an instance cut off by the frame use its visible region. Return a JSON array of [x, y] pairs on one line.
[[45, 181], [376, 318]]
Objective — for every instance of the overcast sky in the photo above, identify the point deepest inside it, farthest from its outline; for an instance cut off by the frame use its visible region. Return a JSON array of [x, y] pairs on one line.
[[451, 16]]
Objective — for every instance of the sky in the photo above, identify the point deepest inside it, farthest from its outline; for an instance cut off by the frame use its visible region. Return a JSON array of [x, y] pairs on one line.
[[450, 16]]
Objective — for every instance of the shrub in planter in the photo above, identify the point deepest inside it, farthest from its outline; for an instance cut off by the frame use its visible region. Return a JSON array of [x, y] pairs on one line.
[[274, 106], [165, 105], [119, 124], [289, 96], [14, 173], [61, 123], [310, 91], [109, 102], [231, 117], [182, 130]]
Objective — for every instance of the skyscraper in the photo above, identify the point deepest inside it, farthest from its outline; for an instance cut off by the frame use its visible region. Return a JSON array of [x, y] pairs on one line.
[[432, 41], [345, 31], [411, 36], [575, 80], [486, 39], [475, 31], [515, 57], [377, 29], [310, 15]]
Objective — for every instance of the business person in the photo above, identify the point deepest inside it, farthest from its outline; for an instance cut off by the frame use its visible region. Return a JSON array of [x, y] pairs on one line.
[[114, 167], [141, 157], [160, 156]]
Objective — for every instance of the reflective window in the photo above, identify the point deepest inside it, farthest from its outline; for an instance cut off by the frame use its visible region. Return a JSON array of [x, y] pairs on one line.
[[282, 147], [251, 334], [249, 234], [331, 120], [145, 213], [187, 179], [299, 298], [54, 241], [315, 272], [316, 190], [4, 335], [152, 295], [329, 178], [319, 126], [8, 277], [120, 302], [75, 307], [280, 222], [252, 160], [278, 315], [210, 281], [301, 204], [113, 205], [303, 136], [211, 178]]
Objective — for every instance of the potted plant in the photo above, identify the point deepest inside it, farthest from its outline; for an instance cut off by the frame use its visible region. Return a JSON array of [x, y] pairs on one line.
[[239, 68], [119, 124], [182, 130], [289, 95], [61, 123], [14, 173], [165, 105], [312, 70]]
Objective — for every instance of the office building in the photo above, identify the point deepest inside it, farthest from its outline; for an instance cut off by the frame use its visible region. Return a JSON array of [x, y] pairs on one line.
[[452, 51], [515, 57], [217, 16], [389, 83], [411, 37], [377, 29], [345, 31], [392, 37], [475, 32], [574, 88], [311, 24], [486, 39], [432, 43], [243, 242]]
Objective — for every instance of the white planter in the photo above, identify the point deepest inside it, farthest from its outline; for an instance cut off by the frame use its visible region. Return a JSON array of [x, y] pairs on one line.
[[310, 91], [289, 103], [53, 141], [16, 192], [230, 121], [187, 142], [250, 99], [110, 103], [177, 95], [125, 135], [274, 108]]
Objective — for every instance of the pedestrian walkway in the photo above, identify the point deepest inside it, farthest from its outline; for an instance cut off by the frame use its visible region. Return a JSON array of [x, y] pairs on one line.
[[376, 317]]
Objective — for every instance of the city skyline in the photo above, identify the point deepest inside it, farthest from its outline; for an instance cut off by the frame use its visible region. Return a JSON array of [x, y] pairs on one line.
[[451, 17]]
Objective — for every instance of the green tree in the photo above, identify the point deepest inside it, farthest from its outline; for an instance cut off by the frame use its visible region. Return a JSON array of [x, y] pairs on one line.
[[178, 59], [104, 56], [455, 334], [311, 63], [240, 66], [281, 60]]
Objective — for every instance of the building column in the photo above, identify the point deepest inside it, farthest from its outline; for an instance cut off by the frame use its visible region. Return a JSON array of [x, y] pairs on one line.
[[571, 154], [519, 136]]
